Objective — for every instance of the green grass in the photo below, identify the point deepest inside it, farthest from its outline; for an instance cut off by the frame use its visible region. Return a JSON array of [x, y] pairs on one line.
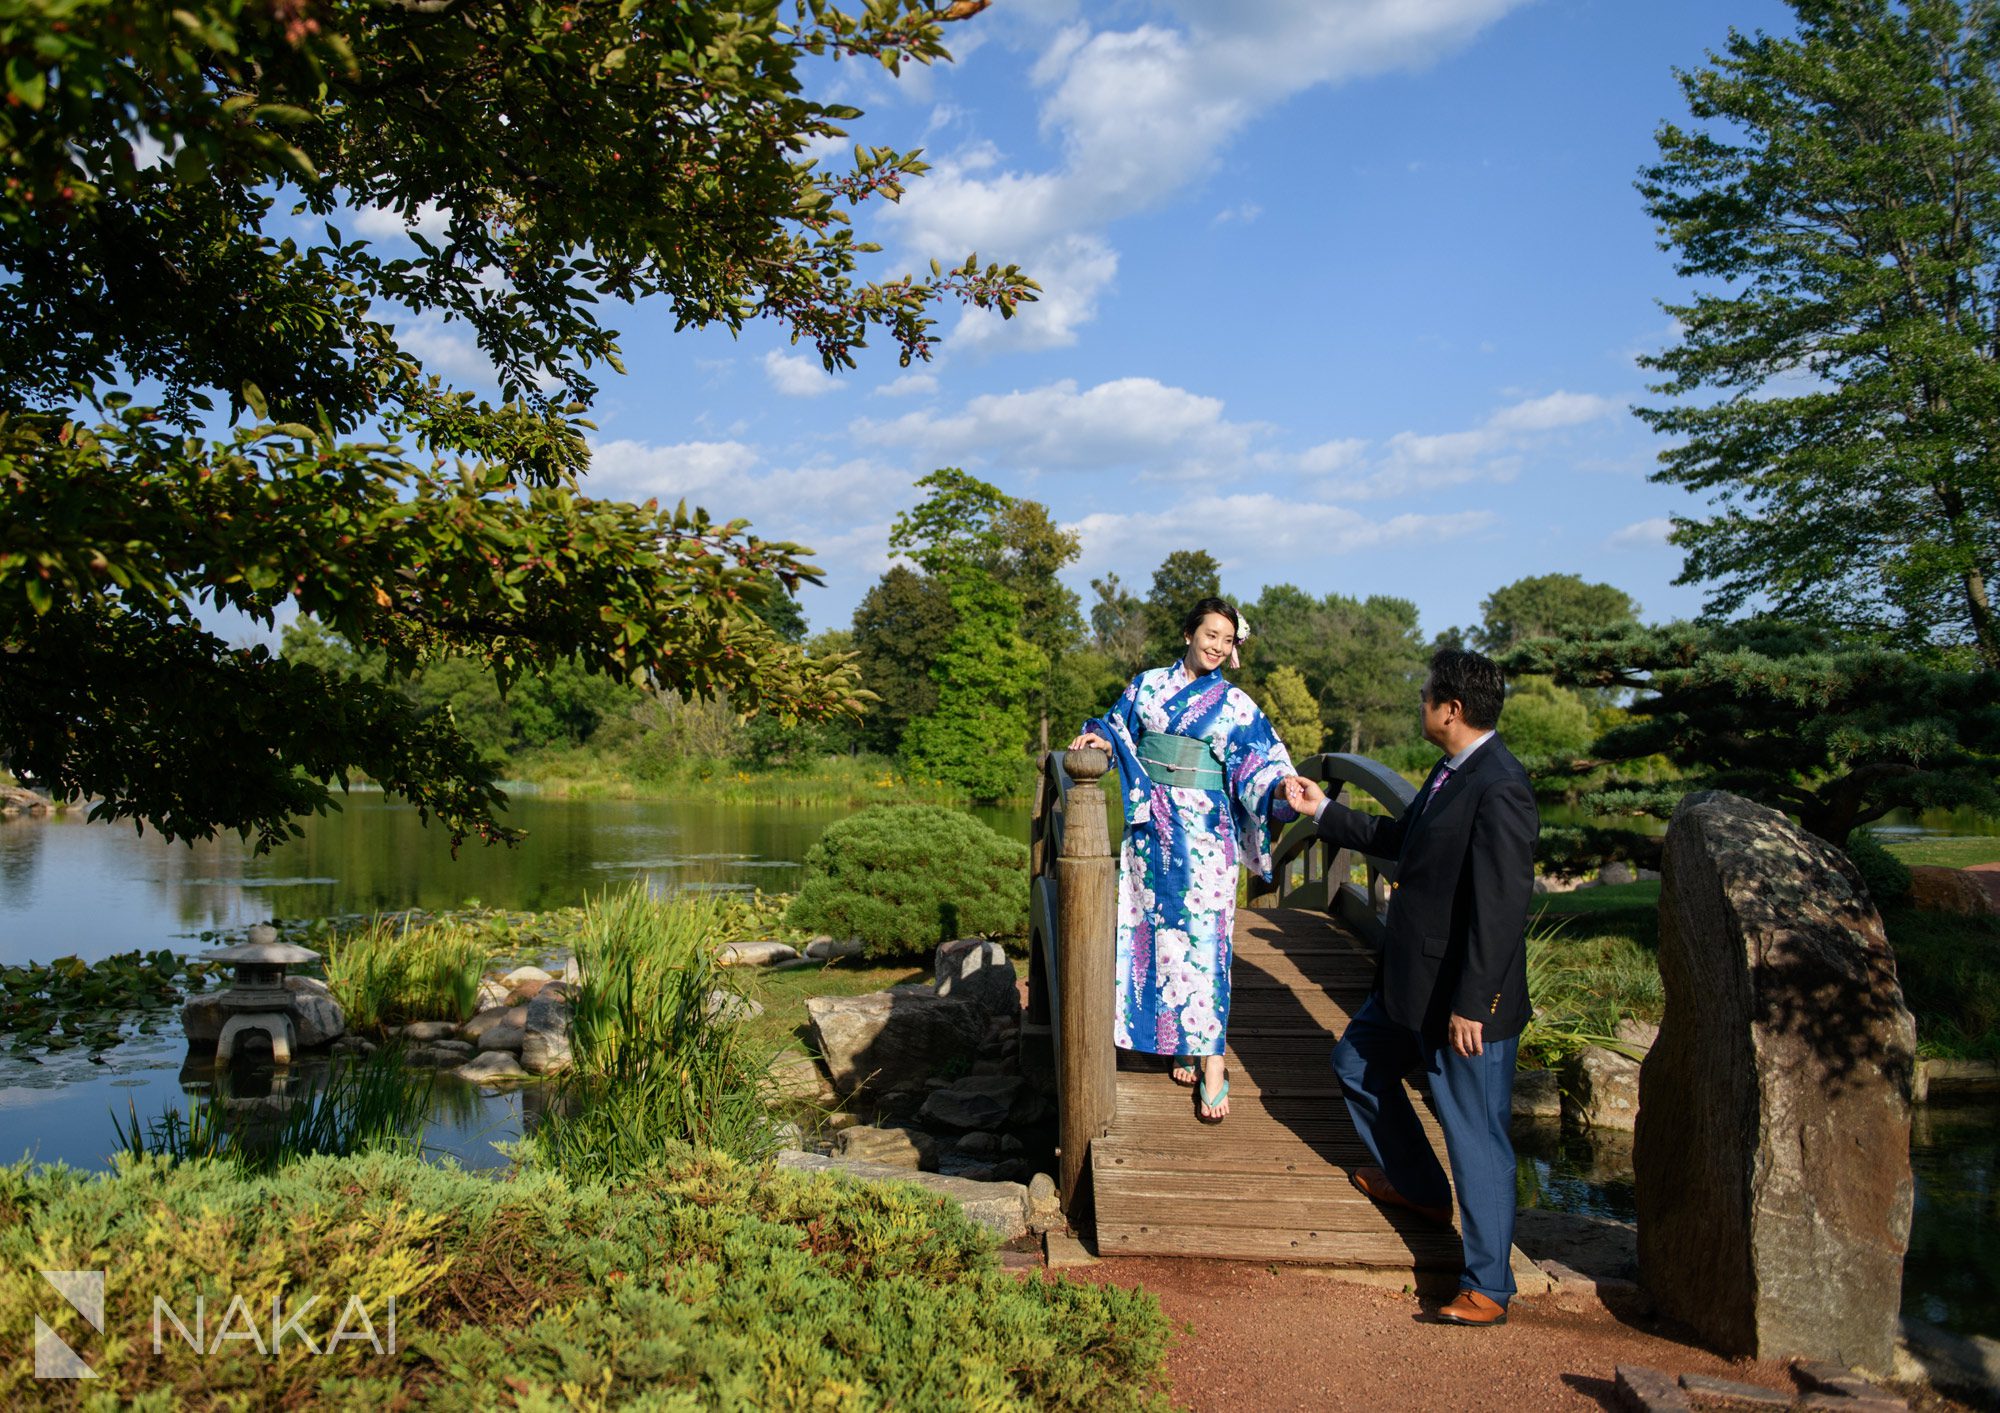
[[1960, 852], [783, 995], [1949, 966], [1587, 971]]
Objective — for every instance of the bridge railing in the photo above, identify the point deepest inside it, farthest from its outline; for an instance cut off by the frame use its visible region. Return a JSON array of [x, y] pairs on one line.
[[1309, 872], [1073, 934], [1073, 922]]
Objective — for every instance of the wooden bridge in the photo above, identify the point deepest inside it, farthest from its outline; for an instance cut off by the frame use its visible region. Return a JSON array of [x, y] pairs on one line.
[[1139, 1172]]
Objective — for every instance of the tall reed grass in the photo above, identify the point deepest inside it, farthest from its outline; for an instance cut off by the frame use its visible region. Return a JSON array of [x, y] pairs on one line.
[[658, 1056], [392, 971], [1581, 989]]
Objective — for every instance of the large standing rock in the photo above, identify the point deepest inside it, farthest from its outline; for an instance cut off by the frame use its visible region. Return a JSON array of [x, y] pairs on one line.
[[885, 1037], [1773, 1149], [978, 971]]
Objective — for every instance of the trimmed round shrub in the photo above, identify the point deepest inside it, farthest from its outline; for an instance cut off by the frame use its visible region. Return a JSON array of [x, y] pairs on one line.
[[1887, 877], [902, 878]]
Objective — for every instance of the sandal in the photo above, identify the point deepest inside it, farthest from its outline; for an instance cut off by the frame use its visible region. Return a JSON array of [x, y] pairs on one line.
[[1191, 1065], [1208, 1101]]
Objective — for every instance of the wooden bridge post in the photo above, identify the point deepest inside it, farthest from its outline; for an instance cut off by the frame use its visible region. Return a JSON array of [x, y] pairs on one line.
[[1087, 921]]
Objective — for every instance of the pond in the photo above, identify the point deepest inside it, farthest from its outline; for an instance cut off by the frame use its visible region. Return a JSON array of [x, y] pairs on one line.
[[92, 891]]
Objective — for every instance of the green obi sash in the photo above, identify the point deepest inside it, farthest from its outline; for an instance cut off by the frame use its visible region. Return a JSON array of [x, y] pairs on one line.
[[1180, 760]]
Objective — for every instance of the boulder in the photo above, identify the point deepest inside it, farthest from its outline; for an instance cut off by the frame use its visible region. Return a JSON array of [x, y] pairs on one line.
[[317, 1019], [503, 1029], [979, 1144], [572, 972], [527, 991], [514, 978], [730, 1006], [975, 1102], [492, 992], [1772, 1159], [979, 971], [544, 1052], [1948, 890], [1537, 1095], [423, 1032], [1001, 1207], [1616, 872], [545, 1047], [825, 949], [1604, 1083], [886, 1037], [756, 954], [893, 1147], [800, 1077], [491, 1067]]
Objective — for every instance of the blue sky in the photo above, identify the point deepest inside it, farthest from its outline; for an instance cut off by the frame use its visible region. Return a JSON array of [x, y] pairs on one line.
[[1346, 292]]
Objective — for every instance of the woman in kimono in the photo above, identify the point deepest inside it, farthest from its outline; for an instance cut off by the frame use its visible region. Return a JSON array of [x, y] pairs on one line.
[[1202, 775]]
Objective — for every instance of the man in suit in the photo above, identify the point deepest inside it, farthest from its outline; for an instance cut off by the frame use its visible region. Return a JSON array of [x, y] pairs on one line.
[[1452, 994]]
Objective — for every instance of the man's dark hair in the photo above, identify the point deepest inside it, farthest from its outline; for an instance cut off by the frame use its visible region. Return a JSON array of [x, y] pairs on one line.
[[1204, 609], [1476, 683]]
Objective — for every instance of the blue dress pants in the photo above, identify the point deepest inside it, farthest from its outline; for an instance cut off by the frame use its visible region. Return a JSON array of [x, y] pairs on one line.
[[1474, 1100]]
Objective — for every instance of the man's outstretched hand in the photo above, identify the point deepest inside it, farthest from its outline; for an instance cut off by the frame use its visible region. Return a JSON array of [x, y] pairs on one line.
[[1304, 796]]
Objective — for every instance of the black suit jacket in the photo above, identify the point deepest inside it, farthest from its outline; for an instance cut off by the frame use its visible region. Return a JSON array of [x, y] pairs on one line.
[[1465, 873]]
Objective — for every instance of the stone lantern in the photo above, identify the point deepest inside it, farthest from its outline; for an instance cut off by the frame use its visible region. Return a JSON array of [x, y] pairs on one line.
[[258, 998]]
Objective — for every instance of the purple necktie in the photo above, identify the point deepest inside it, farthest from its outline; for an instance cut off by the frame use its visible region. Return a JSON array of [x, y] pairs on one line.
[[1444, 774]]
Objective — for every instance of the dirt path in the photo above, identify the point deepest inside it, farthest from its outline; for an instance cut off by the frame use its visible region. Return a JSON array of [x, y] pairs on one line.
[[1285, 1338]]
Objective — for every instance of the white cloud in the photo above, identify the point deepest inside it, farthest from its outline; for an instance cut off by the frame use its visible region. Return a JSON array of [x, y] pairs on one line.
[[798, 375], [1246, 213], [1257, 532], [1137, 422], [380, 222], [1494, 451], [909, 385], [728, 479], [1138, 114], [1642, 534], [454, 356]]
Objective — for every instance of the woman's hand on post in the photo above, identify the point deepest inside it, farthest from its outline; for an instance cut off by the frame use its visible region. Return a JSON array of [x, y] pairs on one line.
[[1090, 741]]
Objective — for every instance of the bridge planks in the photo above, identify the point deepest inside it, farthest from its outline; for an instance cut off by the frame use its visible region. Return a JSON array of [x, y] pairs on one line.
[[1269, 1183]]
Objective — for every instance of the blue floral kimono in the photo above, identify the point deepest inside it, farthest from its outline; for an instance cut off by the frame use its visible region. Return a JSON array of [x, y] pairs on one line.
[[1177, 867]]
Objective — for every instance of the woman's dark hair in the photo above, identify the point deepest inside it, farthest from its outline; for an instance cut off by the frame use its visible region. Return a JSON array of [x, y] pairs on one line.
[[1204, 609], [1476, 683]]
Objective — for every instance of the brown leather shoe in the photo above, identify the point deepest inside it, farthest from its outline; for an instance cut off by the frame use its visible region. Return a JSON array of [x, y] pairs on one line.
[[1472, 1308], [1375, 1183]]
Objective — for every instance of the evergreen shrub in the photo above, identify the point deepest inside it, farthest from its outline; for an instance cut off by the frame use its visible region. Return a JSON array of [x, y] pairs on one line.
[[1887, 877], [902, 878], [704, 1283]]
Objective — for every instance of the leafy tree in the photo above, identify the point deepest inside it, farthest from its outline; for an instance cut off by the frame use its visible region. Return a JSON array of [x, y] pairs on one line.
[[1362, 659], [1839, 200], [1033, 550], [1184, 578], [988, 676], [1118, 626], [1545, 722], [1834, 734], [1293, 712], [295, 446], [1545, 605], [901, 628]]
